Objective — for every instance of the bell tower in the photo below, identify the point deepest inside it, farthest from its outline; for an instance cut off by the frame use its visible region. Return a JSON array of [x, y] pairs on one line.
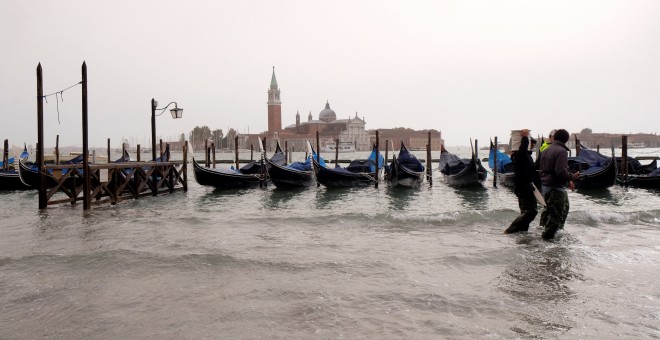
[[274, 106]]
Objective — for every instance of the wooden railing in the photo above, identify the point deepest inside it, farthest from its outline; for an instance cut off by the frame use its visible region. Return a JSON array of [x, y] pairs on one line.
[[115, 182]]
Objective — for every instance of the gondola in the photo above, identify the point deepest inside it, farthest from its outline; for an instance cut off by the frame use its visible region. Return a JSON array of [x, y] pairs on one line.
[[249, 176], [405, 170], [294, 175], [226, 178], [29, 174], [647, 181], [125, 157], [360, 172], [597, 171], [638, 175], [9, 178], [459, 172]]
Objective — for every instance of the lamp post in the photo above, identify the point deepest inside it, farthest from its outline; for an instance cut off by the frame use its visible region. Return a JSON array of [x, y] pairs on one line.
[[177, 112]]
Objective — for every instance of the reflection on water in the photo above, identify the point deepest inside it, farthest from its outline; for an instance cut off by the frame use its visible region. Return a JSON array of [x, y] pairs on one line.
[[602, 196], [400, 197], [282, 198], [326, 198], [474, 198]]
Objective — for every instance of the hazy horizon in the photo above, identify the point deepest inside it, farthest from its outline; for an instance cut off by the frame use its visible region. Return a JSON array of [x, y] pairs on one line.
[[472, 70]]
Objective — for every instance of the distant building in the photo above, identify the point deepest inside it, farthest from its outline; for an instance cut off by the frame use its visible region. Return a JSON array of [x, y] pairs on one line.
[[274, 106], [330, 129], [607, 140]]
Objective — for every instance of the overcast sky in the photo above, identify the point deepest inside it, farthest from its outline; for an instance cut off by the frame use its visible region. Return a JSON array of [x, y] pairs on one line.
[[471, 69]]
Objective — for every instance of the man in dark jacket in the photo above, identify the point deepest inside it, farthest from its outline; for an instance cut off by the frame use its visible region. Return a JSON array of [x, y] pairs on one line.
[[554, 178], [524, 172]]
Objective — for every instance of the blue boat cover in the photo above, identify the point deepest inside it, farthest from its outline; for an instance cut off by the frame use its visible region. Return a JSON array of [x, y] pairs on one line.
[[25, 153], [10, 161], [322, 161], [589, 161], [372, 158], [502, 160], [304, 166]]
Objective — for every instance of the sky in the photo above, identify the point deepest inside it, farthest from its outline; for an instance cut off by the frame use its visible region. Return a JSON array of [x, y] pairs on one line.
[[471, 69]]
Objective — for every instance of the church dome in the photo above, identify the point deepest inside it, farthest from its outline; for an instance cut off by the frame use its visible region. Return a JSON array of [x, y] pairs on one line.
[[327, 114]]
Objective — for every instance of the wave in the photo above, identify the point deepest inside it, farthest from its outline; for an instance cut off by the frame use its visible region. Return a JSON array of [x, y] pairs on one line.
[[595, 218]]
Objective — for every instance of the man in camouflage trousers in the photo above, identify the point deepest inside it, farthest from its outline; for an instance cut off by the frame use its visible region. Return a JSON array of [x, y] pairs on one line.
[[554, 179]]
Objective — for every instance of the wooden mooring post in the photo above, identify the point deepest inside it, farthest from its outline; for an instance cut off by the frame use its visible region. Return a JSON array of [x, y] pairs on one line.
[[86, 171], [429, 163], [236, 152], [213, 152], [386, 148], [109, 151], [318, 153], [137, 149], [263, 182], [624, 158], [43, 201], [206, 153], [495, 164], [376, 172], [100, 183], [5, 156], [57, 149], [337, 153]]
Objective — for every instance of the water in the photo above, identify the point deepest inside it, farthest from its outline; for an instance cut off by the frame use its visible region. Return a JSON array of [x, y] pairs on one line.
[[425, 263]]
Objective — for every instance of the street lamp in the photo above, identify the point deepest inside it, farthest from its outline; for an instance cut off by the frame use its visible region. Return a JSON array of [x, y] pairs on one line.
[[177, 112]]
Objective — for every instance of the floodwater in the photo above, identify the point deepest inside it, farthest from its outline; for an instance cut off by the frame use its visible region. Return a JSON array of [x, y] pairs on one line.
[[381, 263]]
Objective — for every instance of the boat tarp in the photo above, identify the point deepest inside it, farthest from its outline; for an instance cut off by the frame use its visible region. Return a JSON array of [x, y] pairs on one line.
[[10, 161], [278, 157], [304, 166], [636, 167], [253, 167], [372, 159], [655, 172], [502, 160], [589, 161], [451, 164], [321, 161], [408, 160]]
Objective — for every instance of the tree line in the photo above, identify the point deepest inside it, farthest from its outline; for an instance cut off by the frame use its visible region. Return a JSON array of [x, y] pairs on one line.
[[199, 134]]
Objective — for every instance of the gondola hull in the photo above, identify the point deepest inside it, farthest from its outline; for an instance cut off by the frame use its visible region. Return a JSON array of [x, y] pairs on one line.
[[642, 181], [341, 178], [472, 174], [10, 180], [30, 177], [284, 177], [600, 179], [225, 179], [399, 175], [405, 170]]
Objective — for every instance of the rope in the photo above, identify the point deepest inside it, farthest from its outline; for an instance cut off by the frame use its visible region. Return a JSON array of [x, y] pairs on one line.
[[61, 97]]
